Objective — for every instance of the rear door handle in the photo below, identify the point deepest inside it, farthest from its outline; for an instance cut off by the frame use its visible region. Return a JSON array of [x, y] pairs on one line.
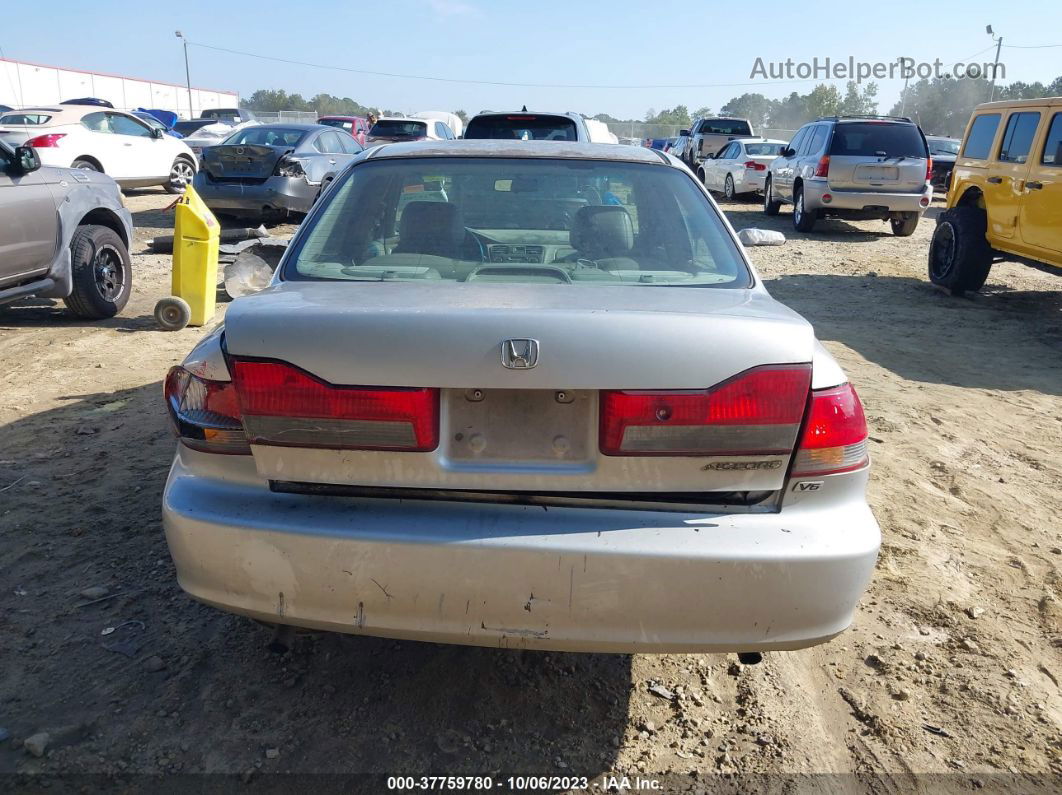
[[994, 180], [1034, 185]]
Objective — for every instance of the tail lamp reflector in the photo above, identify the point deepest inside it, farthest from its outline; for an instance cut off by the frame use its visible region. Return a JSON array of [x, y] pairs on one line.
[[835, 435], [283, 405], [204, 413], [756, 412], [823, 167]]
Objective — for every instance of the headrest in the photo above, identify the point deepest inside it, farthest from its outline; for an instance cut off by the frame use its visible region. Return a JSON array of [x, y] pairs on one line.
[[604, 231], [430, 227]]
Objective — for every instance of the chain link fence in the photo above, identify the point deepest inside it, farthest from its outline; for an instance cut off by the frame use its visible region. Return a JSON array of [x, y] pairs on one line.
[[637, 132], [289, 116]]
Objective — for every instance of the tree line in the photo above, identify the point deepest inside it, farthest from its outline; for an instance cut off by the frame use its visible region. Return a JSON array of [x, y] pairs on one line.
[[941, 106]]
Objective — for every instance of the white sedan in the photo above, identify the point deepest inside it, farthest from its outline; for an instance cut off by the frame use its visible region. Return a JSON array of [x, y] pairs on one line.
[[740, 166], [102, 139]]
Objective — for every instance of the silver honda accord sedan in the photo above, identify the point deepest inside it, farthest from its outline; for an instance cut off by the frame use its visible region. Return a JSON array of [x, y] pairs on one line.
[[521, 394]]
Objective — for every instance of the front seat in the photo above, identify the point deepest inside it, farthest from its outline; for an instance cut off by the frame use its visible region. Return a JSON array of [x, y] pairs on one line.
[[604, 234], [429, 227]]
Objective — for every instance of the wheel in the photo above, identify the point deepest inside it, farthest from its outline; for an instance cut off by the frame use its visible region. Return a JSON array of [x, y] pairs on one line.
[[181, 174], [905, 226], [85, 165], [728, 188], [101, 272], [803, 221], [770, 206], [959, 256], [702, 177], [172, 313]]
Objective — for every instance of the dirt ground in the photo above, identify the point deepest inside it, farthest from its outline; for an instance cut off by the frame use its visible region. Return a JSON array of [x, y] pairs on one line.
[[952, 667]]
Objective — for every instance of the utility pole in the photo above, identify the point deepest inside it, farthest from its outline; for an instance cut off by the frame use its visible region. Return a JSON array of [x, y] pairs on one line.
[[995, 69], [187, 74]]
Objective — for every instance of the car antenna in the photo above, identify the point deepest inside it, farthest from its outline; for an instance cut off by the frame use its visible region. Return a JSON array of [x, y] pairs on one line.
[[524, 110]]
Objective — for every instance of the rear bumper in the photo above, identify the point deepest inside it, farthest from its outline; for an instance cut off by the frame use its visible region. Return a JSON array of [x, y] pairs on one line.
[[749, 181], [513, 576], [294, 194], [863, 201]]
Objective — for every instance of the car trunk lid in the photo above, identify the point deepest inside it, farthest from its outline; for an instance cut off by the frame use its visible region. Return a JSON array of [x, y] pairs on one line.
[[529, 429], [877, 156], [242, 161]]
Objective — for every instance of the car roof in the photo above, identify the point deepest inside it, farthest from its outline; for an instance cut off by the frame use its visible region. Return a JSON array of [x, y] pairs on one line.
[[1021, 103], [566, 113], [340, 116], [402, 118], [487, 147]]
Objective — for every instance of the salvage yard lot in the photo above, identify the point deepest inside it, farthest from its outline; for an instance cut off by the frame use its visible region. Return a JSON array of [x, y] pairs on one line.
[[952, 666]]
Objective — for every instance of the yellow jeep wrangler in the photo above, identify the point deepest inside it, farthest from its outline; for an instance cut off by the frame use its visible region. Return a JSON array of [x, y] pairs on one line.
[[1005, 198]]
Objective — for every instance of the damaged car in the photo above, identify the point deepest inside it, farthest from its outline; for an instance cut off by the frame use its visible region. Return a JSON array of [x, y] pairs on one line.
[[511, 394], [272, 170]]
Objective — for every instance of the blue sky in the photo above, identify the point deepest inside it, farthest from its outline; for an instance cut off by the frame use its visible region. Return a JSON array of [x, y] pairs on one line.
[[619, 42]]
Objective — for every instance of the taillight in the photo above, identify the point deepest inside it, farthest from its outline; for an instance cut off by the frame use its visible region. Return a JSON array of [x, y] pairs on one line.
[[756, 412], [45, 141], [929, 169], [204, 413], [283, 405], [289, 167], [823, 168], [755, 166], [835, 436]]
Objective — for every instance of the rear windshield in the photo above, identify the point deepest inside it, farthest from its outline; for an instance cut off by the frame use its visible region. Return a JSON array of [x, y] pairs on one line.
[[396, 128], [581, 222], [523, 127], [726, 127], [877, 139], [763, 150], [340, 123], [265, 136], [25, 118]]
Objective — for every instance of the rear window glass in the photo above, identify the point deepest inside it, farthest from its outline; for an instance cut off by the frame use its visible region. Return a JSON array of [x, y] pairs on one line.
[[25, 118], [265, 136], [340, 123], [523, 127], [939, 147], [877, 139], [726, 127], [763, 150], [570, 222], [982, 133], [399, 128]]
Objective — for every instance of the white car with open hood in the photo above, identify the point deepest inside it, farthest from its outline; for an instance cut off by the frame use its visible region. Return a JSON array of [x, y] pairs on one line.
[[510, 394]]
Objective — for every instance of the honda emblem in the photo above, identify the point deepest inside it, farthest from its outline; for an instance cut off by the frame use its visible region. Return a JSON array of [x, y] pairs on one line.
[[519, 354]]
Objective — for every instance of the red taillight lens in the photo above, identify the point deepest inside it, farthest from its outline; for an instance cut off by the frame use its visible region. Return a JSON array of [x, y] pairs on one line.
[[756, 412], [929, 169], [276, 398], [204, 413], [835, 436], [45, 141], [823, 168], [752, 164]]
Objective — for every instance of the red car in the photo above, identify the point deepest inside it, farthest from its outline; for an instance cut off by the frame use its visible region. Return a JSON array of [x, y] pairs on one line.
[[357, 126]]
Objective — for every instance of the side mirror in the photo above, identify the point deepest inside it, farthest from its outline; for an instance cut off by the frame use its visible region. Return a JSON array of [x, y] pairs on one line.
[[684, 132], [786, 152], [157, 132], [27, 159]]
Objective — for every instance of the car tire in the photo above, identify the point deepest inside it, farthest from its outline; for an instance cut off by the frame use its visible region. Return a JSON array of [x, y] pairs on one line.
[[803, 221], [959, 255], [85, 165], [101, 273], [905, 225], [770, 206], [728, 188], [181, 173]]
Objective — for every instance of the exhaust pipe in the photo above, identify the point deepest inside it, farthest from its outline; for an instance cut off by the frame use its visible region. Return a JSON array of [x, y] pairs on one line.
[[283, 638]]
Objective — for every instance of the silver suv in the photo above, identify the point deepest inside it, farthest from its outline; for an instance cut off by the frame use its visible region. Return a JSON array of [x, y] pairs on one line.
[[65, 234], [856, 167]]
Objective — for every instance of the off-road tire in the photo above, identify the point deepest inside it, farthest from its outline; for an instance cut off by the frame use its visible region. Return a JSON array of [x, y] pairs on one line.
[[101, 273], [959, 255]]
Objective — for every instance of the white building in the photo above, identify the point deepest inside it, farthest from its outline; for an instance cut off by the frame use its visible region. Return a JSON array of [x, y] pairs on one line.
[[24, 84]]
